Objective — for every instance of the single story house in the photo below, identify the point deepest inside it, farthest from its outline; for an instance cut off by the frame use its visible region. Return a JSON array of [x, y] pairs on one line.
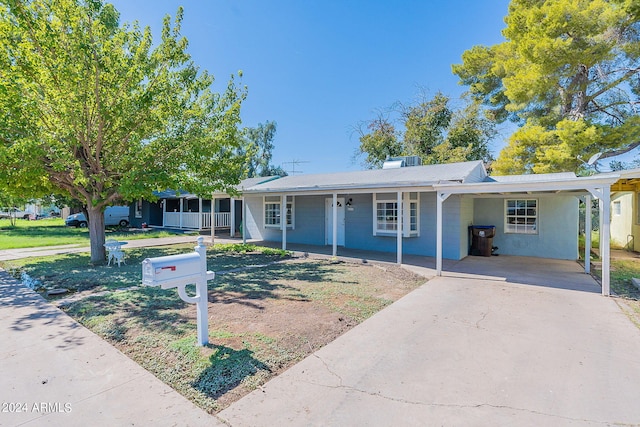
[[427, 210]]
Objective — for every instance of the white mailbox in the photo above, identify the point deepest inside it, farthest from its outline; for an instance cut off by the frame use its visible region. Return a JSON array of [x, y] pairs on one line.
[[171, 271], [178, 271]]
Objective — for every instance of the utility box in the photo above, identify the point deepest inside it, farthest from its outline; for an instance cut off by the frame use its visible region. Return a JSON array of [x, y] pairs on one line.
[[482, 239], [171, 271]]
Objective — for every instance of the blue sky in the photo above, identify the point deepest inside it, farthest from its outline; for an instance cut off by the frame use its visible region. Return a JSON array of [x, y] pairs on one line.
[[319, 68]]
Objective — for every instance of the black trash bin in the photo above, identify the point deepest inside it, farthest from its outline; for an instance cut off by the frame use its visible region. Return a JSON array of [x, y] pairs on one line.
[[482, 239]]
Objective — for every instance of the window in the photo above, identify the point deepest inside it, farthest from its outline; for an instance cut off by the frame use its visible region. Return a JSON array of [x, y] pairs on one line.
[[521, 216], [272, 211], [138, 211], [617, 210], [385, 211]]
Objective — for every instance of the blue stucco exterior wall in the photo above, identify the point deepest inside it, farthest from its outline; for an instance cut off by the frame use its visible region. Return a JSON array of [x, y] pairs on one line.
[[557, 227], [310, 225]]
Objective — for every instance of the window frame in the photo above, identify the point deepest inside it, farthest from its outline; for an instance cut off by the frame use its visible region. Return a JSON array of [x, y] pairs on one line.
[[521, 228], [273, 204], [616, 209], [410, 220], [138, 209]]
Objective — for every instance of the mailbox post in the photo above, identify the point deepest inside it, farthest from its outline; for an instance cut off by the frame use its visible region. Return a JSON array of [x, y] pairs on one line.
[[178, 271]]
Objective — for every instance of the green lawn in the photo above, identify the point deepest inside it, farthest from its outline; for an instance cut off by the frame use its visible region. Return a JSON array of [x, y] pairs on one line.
[[53, 232]]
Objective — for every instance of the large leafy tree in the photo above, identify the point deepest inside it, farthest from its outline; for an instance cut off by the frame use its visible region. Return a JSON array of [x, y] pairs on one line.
[[433, 130], [568, 74], [94, 110]]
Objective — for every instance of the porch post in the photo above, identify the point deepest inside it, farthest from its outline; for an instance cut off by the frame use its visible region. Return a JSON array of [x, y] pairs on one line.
[[213, 219], [199, 213], [283, 220], [232, 223], [164, 212], [440, 198], [334, 230], [244, 221], [399, 216], [605, 237], [587, 234], [181, 209]]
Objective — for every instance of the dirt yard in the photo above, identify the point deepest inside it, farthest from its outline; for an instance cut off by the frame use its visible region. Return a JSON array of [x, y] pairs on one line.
[[261, 321]]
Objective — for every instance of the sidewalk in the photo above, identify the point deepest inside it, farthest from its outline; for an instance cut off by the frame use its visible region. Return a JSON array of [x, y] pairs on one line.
[[56, 372], [10, 254]]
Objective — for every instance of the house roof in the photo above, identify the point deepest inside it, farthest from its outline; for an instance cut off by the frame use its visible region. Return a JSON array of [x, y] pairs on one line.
[[553, 183], [545, 177], [414, 176], [244, 184]]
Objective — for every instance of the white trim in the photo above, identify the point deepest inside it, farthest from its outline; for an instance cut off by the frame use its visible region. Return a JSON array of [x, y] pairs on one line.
[[399, 228], [587, 234], [507, 226], [278, 225], [403, 222]]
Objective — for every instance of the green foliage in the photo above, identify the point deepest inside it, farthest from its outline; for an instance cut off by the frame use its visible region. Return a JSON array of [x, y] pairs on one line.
[[258, 148], [243, 248], [569, 74], [97, 111], [432, 130]]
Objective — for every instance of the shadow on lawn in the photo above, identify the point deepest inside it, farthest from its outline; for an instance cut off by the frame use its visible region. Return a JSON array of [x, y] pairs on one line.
[[227, 370], [150, 308], [263, 283]]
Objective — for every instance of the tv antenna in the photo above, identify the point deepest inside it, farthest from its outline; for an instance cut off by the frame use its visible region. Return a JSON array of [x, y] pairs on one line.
[[293, 164], [592, 162]]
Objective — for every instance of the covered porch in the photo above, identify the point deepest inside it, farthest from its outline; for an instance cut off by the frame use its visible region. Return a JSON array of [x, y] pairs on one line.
[[195, 213]]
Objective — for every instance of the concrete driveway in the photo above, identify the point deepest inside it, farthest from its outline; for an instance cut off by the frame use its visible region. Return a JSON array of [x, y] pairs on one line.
[[495, 341]]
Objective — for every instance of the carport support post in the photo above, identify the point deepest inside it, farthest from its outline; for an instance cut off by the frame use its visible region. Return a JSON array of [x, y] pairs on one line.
[[587, 234], [440, 198], [399, 214], [334, 230], [605, 236]]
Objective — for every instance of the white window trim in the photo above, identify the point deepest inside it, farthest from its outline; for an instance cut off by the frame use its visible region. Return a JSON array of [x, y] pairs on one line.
[[406, 219], [290, 205], [506, 216], [617, 208], [138, 212]]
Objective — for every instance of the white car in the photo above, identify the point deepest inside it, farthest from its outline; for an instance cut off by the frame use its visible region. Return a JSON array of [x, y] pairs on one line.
[[113, 215]]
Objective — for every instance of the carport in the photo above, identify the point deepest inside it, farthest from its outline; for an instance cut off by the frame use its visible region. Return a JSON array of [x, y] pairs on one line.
[[598, 186]]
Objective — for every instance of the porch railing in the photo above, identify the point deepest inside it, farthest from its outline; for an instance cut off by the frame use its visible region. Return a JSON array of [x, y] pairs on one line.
[[222, 219], [192, 220]]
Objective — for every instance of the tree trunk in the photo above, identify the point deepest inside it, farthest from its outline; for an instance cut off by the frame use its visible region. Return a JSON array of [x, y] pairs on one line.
[[96, 234]]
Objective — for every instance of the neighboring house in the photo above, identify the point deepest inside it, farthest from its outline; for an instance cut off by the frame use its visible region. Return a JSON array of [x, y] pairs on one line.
[[625, 210], [182, 210]]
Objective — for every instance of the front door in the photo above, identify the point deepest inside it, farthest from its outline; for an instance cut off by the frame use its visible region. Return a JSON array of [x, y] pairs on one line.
[[328, 214]]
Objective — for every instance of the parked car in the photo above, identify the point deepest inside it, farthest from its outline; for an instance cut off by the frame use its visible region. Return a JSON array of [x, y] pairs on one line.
[[7, 213], [113, 215]]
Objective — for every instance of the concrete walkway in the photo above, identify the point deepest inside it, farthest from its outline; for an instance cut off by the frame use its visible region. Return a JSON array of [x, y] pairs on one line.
[[9, 254]]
